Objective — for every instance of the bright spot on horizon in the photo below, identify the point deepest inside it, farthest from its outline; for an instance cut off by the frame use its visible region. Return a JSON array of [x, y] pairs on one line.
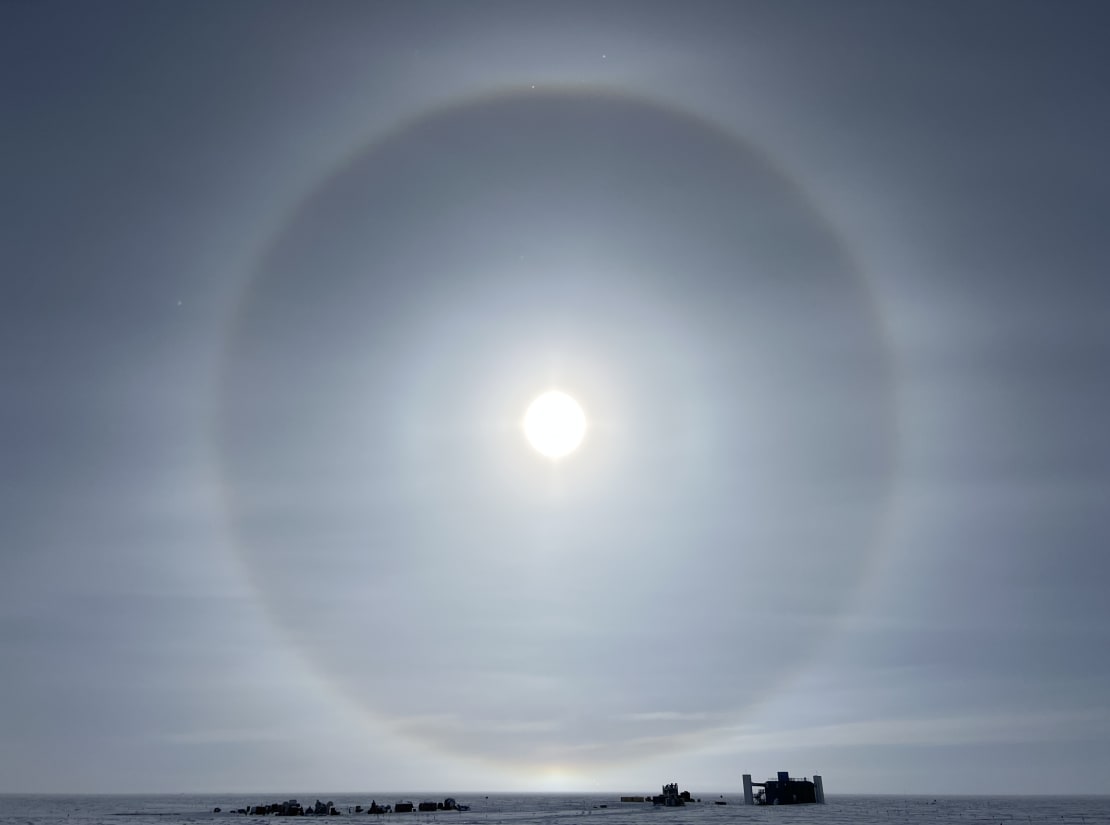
[[554, 424]]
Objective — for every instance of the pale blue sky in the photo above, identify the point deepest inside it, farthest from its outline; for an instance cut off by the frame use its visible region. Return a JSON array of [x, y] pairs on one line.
[[278, 281]]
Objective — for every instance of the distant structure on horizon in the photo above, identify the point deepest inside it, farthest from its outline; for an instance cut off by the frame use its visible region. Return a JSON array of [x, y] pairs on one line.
[[670, 797], [784, 791]]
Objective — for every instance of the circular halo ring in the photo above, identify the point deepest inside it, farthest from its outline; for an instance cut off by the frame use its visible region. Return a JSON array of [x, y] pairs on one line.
[[305, 209]]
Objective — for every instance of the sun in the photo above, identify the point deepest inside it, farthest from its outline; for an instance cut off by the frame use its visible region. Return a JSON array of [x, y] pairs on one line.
[[554, 424]]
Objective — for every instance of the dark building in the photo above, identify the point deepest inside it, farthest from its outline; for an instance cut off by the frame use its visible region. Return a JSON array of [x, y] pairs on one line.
[[671, 797], [784, 791]]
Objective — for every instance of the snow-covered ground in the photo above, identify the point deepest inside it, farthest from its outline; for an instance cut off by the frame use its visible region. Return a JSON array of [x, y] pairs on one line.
[[558, 809]]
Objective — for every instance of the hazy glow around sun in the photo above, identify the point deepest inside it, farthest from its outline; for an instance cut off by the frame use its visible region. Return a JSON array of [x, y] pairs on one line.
[[554, 424]]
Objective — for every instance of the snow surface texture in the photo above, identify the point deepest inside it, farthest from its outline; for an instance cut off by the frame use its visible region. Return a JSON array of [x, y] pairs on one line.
[[560, 809]]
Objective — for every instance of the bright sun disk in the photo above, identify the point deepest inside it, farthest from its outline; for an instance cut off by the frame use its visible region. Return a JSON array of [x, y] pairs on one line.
[[554, 424]]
